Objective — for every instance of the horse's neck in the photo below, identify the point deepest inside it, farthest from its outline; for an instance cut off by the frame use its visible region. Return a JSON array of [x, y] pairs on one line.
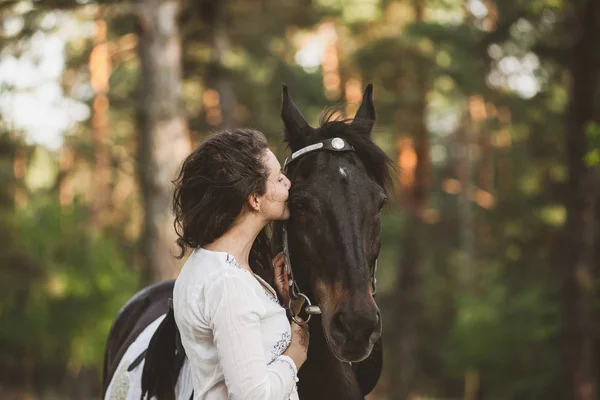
[[324, 377]]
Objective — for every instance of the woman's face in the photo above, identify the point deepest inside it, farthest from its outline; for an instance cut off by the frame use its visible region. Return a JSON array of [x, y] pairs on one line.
[[274, 202]]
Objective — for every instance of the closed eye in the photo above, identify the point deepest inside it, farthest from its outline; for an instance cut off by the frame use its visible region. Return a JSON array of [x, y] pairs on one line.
[[382, 203], [300, 203]]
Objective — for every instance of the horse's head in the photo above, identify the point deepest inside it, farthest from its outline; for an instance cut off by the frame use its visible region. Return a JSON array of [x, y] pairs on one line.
[[334, 230]]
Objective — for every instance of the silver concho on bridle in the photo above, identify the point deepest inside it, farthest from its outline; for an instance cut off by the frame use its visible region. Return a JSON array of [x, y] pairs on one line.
[[334, 144]]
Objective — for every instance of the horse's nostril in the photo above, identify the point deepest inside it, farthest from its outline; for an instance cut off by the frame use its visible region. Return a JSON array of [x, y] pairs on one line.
[[354, 326], [338, 325], [344, 322]]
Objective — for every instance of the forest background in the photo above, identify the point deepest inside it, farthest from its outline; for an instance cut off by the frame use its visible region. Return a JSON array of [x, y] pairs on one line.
[[488, 272]]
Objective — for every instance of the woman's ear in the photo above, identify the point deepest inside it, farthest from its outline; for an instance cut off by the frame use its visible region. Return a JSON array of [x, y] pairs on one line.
[[254, 202]]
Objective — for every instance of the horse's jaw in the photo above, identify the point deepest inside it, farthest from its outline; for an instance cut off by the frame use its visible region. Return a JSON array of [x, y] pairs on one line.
[[323, 376]]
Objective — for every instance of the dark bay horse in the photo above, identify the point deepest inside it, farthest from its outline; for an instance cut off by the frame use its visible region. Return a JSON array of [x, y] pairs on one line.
[[339, 183]]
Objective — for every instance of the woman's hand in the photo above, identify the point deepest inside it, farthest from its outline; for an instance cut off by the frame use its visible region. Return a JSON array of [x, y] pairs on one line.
[[281, 279], [298, 348]]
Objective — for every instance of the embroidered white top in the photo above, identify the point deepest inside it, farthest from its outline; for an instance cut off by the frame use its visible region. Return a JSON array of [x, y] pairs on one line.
[[233, 330]]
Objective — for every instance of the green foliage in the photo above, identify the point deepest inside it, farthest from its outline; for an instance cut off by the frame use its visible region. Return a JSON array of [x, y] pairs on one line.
[[61, 283], [62, 288], [505, 336]]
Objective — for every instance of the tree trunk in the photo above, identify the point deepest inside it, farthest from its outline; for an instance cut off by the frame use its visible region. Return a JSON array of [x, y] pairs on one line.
[[163, 140], [19, 170], [466, 218], [100, 69], [579, 360], [66, 194], [408, 293], [10, 191], [218, 77], [222, 81], [408, 300]]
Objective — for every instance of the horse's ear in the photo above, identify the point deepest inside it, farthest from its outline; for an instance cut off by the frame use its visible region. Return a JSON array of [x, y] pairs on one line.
[[297, 130], [365, 116]]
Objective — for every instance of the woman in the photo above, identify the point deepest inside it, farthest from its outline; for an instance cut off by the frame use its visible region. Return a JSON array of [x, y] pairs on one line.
[[235, 333]]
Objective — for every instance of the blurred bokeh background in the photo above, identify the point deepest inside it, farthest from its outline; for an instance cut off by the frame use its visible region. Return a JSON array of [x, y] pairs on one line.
[[489, 266]]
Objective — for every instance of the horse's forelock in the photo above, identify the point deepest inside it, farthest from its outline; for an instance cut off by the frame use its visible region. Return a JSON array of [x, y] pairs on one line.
[[357, 132]]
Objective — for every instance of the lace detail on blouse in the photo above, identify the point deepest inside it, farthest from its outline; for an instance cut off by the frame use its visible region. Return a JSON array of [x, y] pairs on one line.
[[280, 346], [233, 262]]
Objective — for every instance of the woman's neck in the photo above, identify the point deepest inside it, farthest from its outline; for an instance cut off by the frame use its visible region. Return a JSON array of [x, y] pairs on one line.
[[238, 240]]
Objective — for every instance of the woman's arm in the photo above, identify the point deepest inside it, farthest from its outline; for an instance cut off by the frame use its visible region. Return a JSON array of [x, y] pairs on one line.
[[234, 316]]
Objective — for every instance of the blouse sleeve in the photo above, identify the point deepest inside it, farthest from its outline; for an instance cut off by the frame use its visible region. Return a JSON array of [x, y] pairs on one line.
[[235, 322]]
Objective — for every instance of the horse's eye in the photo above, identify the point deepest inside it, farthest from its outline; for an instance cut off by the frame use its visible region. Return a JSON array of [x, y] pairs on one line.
[[382, 203], [299, 203]]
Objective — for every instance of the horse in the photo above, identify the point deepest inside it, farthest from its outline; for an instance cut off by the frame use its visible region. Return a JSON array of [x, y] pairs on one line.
[[331, 242]]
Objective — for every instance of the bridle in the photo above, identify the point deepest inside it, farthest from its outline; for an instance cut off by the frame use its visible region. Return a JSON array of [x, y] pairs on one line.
[[334, 144]]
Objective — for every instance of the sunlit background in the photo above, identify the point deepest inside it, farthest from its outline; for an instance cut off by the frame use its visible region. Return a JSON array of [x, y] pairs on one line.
[[489, 110]]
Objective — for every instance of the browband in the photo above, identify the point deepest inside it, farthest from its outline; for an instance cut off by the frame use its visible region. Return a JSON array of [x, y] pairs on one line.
[[333, 144]]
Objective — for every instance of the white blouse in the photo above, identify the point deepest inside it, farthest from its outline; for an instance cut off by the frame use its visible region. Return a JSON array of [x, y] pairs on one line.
[[233, 330]]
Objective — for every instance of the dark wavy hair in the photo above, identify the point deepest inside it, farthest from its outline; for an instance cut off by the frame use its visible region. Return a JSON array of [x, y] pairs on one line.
[[213, 184]]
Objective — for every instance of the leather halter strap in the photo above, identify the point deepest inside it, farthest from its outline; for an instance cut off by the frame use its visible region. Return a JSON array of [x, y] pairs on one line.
[[333, 144]]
